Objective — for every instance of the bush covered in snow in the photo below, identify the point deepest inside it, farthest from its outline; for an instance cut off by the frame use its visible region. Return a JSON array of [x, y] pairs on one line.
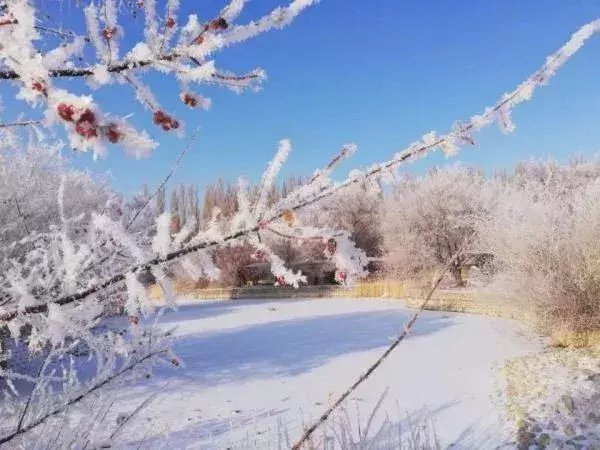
[[540, 224], [544, 233]]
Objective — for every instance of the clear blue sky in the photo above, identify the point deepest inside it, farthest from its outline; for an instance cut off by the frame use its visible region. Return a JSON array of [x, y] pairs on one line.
[[380, 73]]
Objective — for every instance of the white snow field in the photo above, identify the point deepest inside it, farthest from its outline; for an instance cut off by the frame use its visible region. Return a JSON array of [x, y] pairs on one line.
[[255, 370]]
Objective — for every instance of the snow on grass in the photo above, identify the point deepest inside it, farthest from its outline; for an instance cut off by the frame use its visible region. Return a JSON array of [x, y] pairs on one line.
[[255, 370], [555, 398]]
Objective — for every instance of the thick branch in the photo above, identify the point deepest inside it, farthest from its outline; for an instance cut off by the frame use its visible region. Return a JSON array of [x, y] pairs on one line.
[[87, 71], [127, 65]]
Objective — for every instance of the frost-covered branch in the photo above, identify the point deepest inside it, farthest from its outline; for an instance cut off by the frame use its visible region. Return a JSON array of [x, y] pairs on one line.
[[24, 123], [183, 48], [81, 396]]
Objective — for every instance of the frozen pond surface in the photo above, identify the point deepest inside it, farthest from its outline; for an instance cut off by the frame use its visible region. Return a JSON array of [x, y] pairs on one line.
[[254, 370]]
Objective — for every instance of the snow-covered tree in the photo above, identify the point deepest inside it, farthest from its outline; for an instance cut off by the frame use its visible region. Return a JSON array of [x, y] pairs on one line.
[[81, 244], [428, 220]]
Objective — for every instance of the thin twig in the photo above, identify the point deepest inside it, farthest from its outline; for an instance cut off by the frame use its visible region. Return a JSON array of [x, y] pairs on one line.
[[169, 175], [77, 399], [33, 391], [20, 124], [135, 411], [406, 330]]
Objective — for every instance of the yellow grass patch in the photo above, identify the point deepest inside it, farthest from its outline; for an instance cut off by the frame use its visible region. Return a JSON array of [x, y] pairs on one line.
[[575, 339]]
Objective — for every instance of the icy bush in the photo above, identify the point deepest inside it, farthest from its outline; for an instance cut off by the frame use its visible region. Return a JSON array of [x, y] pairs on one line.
[[544, 235]]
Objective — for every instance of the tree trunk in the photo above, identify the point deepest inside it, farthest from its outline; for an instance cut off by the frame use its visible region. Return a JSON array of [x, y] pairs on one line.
[[457, 274]]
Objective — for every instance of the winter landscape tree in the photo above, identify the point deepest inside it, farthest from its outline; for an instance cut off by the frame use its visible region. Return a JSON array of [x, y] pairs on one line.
[[428, 220]]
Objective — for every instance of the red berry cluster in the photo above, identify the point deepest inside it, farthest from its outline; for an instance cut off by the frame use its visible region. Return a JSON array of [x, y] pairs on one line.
[[280, 280], [165, 121], [189, 100], [86, 124], [109, 33], [170, 23]]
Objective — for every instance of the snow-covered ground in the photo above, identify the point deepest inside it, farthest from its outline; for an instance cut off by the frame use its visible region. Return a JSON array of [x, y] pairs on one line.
[[257, 369]]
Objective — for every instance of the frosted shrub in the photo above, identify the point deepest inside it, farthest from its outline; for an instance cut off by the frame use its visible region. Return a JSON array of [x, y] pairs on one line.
[[544, 234]]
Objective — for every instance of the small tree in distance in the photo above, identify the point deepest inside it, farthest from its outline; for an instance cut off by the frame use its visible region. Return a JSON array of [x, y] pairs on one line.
[[427, 220]]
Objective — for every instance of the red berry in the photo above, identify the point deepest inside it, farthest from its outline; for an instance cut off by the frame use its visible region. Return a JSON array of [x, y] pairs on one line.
[[86, 124], [199, 40], [170, 124], [280, 280], [40, 87], [86, 129], [87, 116], [159, 117], [218, 24], [134, 319], [189, 100], [170, 22], [112, 133], [331, 246], [109, 33], [65, 112]]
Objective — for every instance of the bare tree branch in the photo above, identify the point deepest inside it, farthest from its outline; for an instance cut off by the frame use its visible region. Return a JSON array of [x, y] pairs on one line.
[[77, 399]]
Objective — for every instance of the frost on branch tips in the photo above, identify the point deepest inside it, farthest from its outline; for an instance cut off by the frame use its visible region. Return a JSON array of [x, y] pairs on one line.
[[58, 71]]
